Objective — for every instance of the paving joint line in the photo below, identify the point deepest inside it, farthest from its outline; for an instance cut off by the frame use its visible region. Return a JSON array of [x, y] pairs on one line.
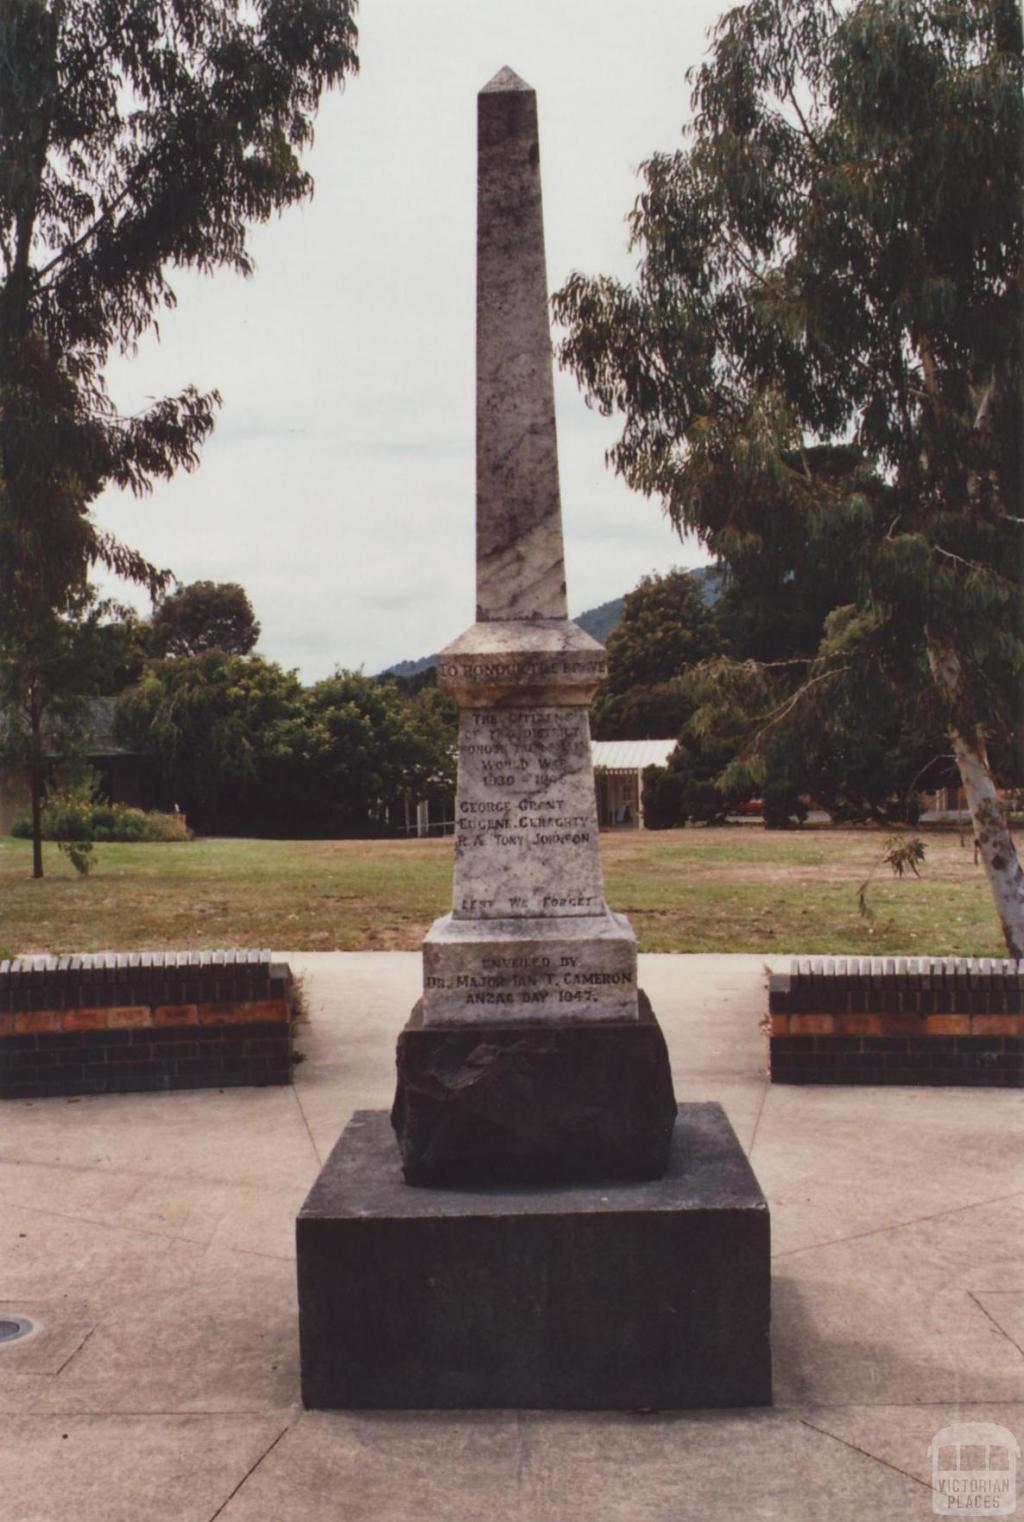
[[880, 1231], [252, 1470], [76, 1351], [973, 1295], [38, 1413], [757, 1122], [892, 1405], [145, 1175], [86, 1220], [855, 1448], [206, 1243], [305, 1122]]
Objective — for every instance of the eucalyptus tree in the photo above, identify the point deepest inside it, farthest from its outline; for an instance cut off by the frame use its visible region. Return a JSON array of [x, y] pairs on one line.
[[666, 628], [204, 615], [835, 254], [136, 137]]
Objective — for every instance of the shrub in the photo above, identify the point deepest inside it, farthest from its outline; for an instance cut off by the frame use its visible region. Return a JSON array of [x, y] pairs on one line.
[[72, 815], [662, 798]]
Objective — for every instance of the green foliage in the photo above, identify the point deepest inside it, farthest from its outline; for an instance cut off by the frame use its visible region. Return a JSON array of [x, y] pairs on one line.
[[244, 749], [661, 798], [368, 746], [665, 629], [838, 248], [224, 730], [819, 369], [79, 854], [901, 854], [47, 674], [75, 814], [134, 140], [205, 615]]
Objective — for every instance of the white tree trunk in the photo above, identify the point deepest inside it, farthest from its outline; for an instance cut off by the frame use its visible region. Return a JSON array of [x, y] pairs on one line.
[[991, 830]]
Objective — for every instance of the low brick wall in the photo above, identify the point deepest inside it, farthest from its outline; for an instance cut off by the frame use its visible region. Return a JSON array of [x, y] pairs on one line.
[[922, 1021], [143, 1021]]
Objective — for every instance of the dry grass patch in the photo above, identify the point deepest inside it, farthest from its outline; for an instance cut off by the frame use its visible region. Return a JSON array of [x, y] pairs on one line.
[[740, 888]]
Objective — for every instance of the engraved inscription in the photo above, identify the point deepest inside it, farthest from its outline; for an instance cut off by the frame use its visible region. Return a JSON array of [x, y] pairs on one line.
[[526, 819], [585, 971], [538, 980], [523, 672]]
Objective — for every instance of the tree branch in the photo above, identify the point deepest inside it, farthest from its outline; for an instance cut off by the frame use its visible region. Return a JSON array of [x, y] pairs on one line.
[[785, 709], [71, 249], [812, 141]]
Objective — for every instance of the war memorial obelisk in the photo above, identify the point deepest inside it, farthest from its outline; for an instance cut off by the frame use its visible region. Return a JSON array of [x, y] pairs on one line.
[[545, 1232]]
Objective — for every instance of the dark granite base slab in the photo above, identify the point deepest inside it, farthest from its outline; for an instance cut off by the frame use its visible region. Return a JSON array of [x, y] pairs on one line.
[[615, 1297], [533, 1103]]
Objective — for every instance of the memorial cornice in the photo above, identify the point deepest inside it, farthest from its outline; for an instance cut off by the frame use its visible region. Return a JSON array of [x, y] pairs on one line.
[[537, 663]]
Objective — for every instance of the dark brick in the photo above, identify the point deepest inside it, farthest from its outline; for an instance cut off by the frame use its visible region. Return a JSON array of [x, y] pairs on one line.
[[124, 1072], [862, 1061], [107, 1038], [264, 1047], [197, 1065], [162, 1035], [964, 1061], [151, 1082], [24, 1062], [120, 1056], [910, 1061], [93, 1058], [64, 1071]]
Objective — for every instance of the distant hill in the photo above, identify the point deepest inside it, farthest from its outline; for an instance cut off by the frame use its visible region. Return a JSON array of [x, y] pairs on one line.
[[598, 622], [710, 578], [410, 668]]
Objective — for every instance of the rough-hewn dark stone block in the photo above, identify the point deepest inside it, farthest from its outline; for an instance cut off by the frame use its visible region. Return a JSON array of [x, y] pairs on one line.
[[610, 1297], [533, 1103]]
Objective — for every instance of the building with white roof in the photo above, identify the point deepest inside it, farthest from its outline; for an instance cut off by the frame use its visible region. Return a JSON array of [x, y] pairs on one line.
[[618, 776]]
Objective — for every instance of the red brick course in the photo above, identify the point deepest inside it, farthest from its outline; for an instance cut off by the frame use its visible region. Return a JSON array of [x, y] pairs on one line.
[[903, 1021], [163, 1021]]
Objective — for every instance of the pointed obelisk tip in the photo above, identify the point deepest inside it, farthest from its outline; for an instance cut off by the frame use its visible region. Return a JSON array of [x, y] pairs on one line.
[[505, 79]]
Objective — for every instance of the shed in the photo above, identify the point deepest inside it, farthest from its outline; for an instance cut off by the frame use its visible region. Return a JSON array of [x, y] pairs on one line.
[[618, 777]]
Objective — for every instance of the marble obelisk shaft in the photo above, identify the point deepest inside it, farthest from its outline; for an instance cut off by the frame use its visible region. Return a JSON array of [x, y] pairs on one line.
[[520, 565], [529, 936]]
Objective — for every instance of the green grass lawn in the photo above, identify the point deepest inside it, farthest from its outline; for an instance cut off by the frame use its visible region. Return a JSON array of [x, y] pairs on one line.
[[741, 888]]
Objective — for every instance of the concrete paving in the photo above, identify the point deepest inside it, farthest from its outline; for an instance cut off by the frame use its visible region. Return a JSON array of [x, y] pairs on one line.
[[151, 1239]]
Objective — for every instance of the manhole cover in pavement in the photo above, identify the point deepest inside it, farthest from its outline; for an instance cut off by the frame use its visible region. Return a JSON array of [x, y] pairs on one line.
[[13, 1327]]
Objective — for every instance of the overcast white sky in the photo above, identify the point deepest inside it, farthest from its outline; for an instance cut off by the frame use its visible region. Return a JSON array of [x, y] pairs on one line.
[[338, 487]]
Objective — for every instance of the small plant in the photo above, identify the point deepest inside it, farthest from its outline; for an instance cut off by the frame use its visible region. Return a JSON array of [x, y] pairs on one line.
[[902, 854], [78, 853]]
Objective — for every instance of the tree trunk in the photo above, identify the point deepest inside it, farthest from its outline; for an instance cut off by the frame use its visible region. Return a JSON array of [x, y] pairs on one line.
[[36, 783], [991, 830]]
